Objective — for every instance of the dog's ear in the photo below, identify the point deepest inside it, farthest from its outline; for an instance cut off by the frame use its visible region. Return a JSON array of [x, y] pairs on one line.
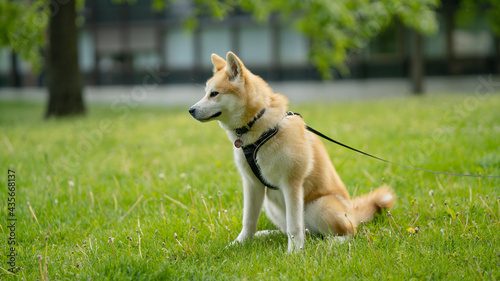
[[234, 66], [218, 62]]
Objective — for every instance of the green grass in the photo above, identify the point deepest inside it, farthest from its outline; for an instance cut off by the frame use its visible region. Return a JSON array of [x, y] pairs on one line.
[[116, 161]]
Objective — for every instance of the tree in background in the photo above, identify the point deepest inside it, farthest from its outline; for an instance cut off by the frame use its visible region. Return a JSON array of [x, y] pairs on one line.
[[64, 77], [22, 27]]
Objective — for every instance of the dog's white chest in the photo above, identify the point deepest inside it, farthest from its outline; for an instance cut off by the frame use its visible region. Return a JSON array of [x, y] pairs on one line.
[[273, 169], [272, 162]]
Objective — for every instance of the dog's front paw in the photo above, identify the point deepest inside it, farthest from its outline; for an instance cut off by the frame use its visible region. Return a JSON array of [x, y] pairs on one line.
[[242, 238], [234, 243], [237, 241]]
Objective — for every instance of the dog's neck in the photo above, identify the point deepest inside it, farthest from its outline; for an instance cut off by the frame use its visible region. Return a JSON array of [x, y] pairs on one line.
[[244, 129], [273, 112]]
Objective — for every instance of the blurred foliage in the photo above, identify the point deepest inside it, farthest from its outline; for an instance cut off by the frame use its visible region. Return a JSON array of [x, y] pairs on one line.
[[22, 27], [489, 10], [334, 27]]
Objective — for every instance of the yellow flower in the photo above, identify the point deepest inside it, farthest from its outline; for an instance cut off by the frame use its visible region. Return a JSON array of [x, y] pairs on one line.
[[411, 230]]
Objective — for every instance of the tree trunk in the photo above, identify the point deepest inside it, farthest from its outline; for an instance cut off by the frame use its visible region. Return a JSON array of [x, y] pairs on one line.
[[450, 49], [15, 77], [65, 84], [417, 65], [496, 39]]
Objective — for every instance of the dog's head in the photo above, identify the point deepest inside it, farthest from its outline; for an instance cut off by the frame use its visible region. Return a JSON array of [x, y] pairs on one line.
[[226, 93]]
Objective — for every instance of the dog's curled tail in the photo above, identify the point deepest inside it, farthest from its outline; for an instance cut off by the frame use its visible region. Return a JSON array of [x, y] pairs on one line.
[[365, 206]]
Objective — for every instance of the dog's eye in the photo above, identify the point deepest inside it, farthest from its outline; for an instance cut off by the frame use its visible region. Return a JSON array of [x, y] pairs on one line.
[[214, 94]]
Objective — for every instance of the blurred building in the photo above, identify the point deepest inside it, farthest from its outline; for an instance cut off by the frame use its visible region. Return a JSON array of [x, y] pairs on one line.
[[120, 43]]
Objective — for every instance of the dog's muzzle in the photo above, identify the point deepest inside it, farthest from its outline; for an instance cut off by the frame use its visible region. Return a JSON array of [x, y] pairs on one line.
[[192, 111]]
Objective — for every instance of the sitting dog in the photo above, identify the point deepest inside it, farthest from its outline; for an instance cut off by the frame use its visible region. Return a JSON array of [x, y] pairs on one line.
[[282, 164]]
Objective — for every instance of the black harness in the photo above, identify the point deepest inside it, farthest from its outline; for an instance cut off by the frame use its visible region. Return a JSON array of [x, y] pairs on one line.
[[251, 150]]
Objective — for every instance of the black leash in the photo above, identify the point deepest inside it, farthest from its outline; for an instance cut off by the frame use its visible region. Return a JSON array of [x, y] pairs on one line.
[[383, 160]]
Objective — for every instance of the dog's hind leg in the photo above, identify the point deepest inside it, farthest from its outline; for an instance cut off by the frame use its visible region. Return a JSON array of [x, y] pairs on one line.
[[331, 214]]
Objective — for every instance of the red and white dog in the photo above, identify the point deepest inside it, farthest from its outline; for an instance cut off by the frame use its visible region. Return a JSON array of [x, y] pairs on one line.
[[310, 193]]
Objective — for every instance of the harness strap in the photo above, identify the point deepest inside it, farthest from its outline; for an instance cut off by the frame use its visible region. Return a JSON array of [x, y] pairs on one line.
[[250, 152]]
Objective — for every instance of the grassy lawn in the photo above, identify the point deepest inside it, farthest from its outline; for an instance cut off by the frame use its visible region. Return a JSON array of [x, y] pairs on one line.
[[151, 194]]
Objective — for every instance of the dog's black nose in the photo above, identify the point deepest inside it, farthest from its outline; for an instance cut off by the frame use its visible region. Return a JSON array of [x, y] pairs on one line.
[[192, 110]]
